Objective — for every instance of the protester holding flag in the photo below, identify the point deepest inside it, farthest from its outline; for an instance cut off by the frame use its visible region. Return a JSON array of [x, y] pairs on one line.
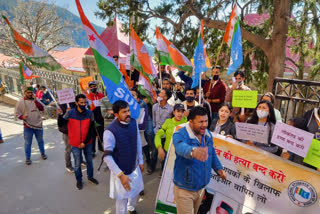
[[215, 91], [123, 155], [190, 101], [177, 96], [29, 109], [94, 101]]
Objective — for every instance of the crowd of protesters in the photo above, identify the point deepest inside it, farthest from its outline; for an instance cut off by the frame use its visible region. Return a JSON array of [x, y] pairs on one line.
[[93, 123]]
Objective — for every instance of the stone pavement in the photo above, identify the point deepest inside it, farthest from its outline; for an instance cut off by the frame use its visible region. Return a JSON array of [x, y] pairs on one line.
[[45, 186]]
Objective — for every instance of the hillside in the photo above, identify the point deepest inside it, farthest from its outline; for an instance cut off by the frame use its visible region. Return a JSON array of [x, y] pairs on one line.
[[78, 34]]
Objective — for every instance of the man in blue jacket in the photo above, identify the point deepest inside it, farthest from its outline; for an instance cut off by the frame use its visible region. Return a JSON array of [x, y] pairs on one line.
[[195, 156]]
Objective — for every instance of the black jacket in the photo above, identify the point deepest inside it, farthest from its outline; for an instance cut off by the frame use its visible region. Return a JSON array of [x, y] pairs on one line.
[[226, 129]]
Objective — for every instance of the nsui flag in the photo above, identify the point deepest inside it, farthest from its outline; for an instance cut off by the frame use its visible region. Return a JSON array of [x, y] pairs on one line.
[[232, 37], [199, 63], [112, 79]]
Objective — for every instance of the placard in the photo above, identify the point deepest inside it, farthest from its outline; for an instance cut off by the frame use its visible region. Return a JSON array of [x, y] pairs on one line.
[[252, 132], [313, 156], [244, 99], [66, 96], [292, 139], [257, 182]]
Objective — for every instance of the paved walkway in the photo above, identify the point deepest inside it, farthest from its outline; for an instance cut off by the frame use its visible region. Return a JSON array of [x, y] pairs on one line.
[[45, 186]]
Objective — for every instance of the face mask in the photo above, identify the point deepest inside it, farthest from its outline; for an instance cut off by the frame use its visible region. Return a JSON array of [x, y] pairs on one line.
[[215, 77], [82, 107], [262, 114], [93, 90], [159, 99], [189, 99]]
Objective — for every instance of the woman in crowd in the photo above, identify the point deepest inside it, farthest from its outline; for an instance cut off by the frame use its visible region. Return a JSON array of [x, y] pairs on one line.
[[264, 115], [167, 130], [270, 97], [223, 125]]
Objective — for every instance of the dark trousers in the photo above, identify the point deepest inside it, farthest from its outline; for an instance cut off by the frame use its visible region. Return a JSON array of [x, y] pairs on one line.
[[154, 152], [95, 139], [146, 152]]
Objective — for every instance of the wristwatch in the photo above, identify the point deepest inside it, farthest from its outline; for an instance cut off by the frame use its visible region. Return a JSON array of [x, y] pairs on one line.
[[192, 150]]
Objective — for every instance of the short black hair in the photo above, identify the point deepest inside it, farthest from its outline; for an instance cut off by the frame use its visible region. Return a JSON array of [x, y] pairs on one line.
[[118, 105], [300, 123], [168, 93], [238, 72], [116, 56], [166, 79], [191, 89], [80, 96], [42, 87], [198, 110]]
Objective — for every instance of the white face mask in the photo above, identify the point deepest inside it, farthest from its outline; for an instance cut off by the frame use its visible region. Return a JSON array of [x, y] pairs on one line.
[[159, 99], [262, 114]]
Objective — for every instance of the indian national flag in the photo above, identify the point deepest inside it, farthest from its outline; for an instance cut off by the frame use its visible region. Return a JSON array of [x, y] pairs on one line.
[[35, 55], [25, 73], [141, 61], [170, 55], [233, 38], [112, 79]]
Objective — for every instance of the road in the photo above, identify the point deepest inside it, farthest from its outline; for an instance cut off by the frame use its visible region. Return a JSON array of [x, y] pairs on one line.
[[45, 187]]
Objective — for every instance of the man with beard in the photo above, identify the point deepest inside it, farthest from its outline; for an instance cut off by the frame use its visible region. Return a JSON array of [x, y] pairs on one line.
[[28, 109], [215, 91], [123, 156], [195, 156]]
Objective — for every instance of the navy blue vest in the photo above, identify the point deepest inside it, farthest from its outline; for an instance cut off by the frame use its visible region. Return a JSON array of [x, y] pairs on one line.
[[125, 150]]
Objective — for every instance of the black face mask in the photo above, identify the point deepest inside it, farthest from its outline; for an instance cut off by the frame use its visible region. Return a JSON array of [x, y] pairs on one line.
[[215, 77], [189, 99], [82, 107], [93, 90]]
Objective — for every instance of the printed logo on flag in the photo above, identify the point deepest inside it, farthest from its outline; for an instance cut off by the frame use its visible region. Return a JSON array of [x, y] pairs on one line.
[[302, 193]]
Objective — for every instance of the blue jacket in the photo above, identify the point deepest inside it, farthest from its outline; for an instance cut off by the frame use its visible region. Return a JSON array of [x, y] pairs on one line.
[[189, 173]]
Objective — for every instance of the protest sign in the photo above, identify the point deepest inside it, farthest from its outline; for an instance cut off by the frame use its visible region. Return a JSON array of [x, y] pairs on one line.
[[83, 82], [292, 139], [252, 132], [257, 182], [313, 156], [66, 96], [244, 99]]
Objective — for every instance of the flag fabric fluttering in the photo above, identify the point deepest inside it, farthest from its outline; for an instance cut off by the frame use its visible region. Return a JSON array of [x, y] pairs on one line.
[[35, 55], [25, 73], [199, 61], [208, 64], [233, 38], [169, 55], [142, 62], [112, 79]]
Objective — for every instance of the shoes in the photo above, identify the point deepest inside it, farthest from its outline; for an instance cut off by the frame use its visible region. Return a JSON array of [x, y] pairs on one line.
[[93, 154], [93, 180], [160, 175], [150, 171], [83, 163], [70, 169], [79, 185], [28, 161], [44, 157], [141, 193], [132, 212]]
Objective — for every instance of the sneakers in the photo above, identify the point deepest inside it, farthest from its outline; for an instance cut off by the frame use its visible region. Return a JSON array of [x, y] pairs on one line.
[[83, 163], [28, 161], [79, 185], [44, 157], [70, 169], [93, 180], [150, 171], [141, 193]]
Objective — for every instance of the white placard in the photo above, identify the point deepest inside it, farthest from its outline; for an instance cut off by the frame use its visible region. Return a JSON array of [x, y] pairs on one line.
[[66, 95], [292, 139], [252, 132]]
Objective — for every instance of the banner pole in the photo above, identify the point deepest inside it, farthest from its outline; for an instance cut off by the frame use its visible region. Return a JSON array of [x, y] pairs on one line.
[[215, 64], [200, 74]]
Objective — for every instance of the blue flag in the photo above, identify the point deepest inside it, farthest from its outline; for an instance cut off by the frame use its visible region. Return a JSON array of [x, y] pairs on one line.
[[236, 51], [199, 63]]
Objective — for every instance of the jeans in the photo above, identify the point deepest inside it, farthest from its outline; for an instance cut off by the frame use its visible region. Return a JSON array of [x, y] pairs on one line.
[[100, 130], [28, 135], [149, 135], [67, 150], [146, 152], [77, 161]]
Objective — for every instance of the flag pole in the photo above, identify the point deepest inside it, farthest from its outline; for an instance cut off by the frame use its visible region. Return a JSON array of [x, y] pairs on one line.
[[215, 64], [160, 75], [200, 74]]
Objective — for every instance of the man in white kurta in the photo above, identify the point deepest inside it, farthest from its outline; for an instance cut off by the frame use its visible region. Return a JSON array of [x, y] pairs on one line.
[[123, 155]]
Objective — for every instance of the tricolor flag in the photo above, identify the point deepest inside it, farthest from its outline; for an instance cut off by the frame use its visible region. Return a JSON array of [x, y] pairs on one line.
[[169, 55], [112, 79], [199, 59], [232, 37], [25, 73], [141, 61], [35, 55]]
